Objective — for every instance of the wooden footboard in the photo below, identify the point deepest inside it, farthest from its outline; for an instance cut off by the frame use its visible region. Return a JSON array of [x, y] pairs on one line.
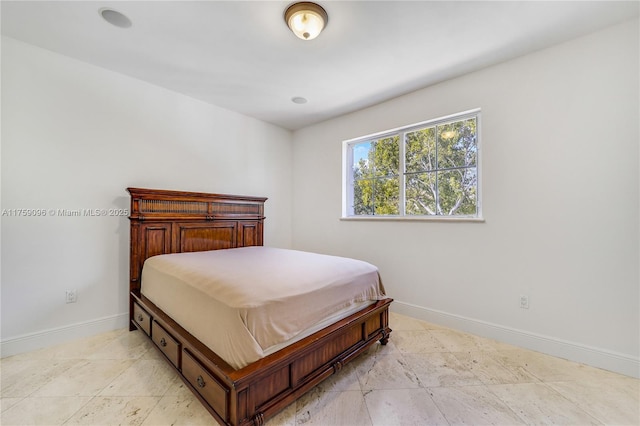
[[260, 390]]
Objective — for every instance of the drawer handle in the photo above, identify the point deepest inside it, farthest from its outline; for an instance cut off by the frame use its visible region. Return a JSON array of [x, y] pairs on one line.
[[200, 381], [163, 342], [140, 318]]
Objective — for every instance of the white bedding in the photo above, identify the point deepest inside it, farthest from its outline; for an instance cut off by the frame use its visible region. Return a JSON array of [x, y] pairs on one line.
[[248, 302]]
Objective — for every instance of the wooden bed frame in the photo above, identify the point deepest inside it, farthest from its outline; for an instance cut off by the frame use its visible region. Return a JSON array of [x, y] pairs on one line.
[[175, 221]]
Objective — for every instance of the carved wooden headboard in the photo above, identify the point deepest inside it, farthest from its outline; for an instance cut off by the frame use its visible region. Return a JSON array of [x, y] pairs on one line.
[[176, 221]]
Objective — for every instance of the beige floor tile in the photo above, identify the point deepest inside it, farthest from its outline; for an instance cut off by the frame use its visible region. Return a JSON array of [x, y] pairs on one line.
[[414, 342], [6, 403], [344, 380], [432, 326], [547, 368], [455, 341], [487, 367], [153, 353], [178, 388], [332, 408], [612, 401], [472, 405], [114, 411], [143, 378], [179, 410], [537, 403], [131, 345], [86, 378], [21, 378], [404, 322], [43, 411], [12, 366], [399, 322], [402, 407], [440, 369], [487, 344], [385, 372], [385, 385]]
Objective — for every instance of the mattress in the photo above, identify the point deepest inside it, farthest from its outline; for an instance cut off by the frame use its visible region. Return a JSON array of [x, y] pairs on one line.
[[246, 303]]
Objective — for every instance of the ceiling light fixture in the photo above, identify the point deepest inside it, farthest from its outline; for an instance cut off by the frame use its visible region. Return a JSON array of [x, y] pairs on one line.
[[306, 19]]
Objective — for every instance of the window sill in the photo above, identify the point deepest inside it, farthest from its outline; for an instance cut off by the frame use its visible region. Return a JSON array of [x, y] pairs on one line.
[[413, 219]]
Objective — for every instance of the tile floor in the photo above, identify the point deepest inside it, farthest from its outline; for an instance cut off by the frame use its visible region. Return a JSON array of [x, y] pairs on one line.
[[426, 375]]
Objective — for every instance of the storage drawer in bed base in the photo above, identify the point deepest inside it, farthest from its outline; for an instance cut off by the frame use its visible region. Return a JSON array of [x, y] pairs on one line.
[[141, 319], [203, 382], [170, 347], [260, 390]]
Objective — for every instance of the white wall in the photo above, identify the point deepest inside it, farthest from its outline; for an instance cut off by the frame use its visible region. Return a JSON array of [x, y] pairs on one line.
[[560, 197], [75, 136]]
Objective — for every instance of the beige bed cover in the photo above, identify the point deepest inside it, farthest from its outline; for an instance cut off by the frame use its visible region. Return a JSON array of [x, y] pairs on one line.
[[246, 303]]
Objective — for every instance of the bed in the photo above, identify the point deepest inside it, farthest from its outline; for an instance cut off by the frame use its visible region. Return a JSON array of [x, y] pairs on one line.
[[251, 384]]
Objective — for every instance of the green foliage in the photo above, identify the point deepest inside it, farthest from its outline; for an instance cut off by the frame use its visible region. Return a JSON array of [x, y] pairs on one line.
[[440, 172], [376, 183]]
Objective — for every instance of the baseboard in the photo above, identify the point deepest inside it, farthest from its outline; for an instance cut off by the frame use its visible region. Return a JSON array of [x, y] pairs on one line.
[[596, 357], [54, 336], [608, 360]]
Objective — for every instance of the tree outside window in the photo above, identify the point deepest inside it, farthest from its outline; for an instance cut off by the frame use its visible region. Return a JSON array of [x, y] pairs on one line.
[[439, 163]]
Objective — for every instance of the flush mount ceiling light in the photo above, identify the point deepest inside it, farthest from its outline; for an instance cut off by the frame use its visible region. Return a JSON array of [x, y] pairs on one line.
[[114, 17], [306, 19]]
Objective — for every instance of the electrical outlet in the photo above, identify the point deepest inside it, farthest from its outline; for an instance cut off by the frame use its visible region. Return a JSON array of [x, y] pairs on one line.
[[524, 302], [72, 296]]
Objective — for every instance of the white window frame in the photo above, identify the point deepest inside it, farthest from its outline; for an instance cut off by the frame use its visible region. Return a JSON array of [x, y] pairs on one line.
[[347, 170]]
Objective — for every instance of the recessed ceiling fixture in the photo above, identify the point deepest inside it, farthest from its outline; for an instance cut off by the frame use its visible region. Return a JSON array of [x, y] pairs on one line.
[[115, 18], [299, 100], [306, 19]]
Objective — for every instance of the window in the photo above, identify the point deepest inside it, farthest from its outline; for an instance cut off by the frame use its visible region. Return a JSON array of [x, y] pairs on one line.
[[425, 170]]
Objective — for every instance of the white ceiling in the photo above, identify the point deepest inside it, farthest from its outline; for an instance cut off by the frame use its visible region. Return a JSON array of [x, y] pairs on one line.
[[241, 56]]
